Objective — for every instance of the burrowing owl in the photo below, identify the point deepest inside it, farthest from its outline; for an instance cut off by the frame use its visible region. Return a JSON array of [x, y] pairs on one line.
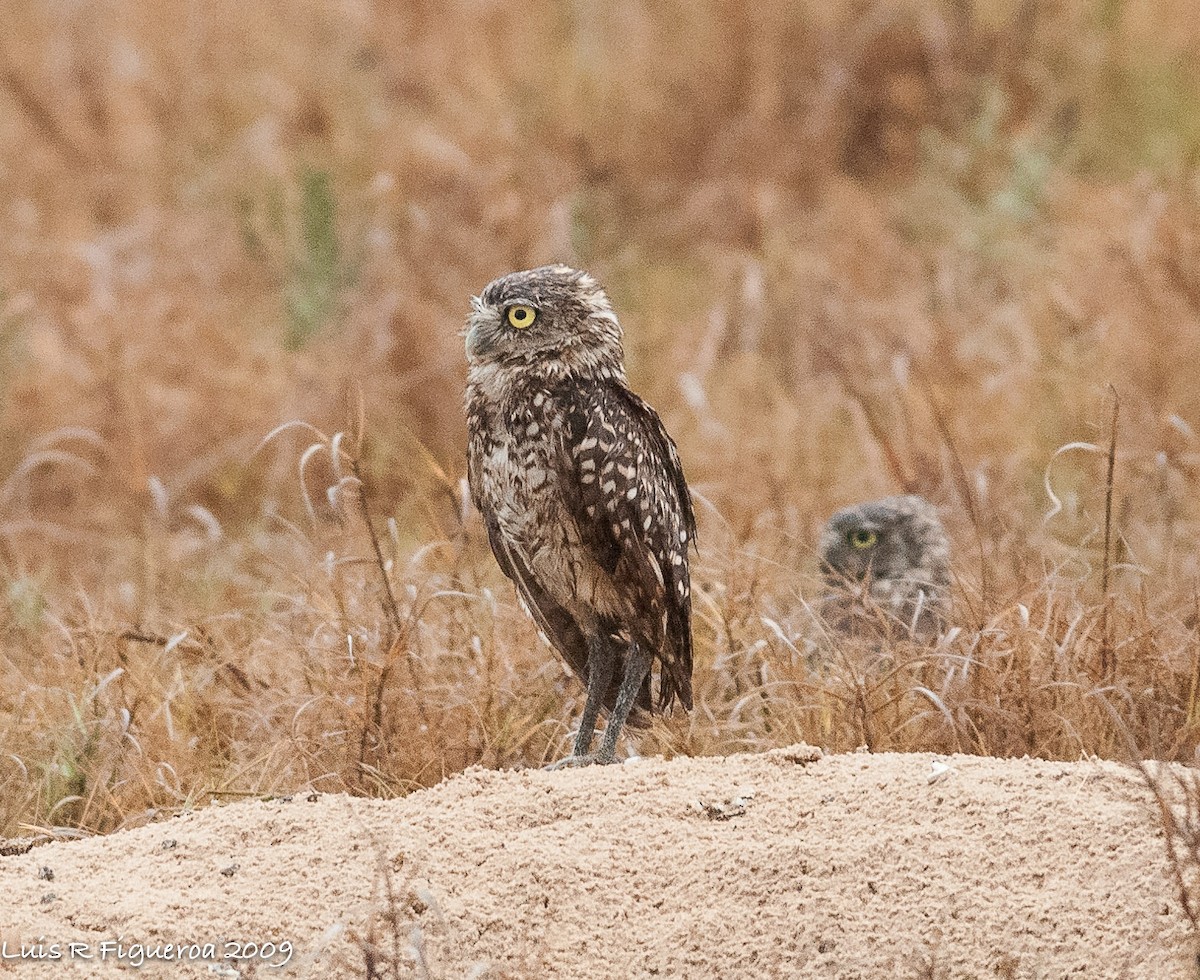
[[582, 491], [887, 564]]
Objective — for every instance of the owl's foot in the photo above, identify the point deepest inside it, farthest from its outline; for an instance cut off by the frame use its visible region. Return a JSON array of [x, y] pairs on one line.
[[600, 758]]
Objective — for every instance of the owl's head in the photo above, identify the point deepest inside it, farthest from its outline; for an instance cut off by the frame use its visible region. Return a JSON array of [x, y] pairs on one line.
[[554, 316], [885, 540]]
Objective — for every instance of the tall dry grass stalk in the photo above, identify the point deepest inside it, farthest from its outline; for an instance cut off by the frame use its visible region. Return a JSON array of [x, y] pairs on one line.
[[856, 248]]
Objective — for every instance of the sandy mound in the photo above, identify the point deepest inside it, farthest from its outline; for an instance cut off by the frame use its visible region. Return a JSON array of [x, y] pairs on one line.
[[777, 865]]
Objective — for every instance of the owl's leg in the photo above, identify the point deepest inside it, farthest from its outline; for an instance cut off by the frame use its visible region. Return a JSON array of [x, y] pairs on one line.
[[637, 665], [602, 658]]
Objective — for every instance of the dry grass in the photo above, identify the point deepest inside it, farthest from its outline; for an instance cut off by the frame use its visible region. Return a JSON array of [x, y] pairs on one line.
[[1176, 795], [406, 930], [858, 249]]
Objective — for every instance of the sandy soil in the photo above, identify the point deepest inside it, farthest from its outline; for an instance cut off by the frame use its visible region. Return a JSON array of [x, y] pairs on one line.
[[778, 865]]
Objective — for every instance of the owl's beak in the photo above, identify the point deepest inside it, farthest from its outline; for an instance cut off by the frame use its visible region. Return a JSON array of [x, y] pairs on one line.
[[482, 329]]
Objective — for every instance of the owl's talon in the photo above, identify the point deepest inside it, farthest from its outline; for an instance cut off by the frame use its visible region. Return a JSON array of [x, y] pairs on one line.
[[579, 761]]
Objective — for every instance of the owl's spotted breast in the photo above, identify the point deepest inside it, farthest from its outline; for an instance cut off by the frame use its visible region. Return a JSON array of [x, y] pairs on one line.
[[511, 461]]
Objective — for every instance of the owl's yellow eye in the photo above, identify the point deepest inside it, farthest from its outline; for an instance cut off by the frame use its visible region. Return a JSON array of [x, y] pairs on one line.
[[521, 316], [862, 538]]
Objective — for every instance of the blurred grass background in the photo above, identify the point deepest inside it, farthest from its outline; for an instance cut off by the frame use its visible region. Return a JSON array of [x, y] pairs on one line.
[[858, 248]]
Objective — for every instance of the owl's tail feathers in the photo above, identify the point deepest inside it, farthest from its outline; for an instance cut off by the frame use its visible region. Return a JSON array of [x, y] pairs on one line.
[[674, 681], [682, 689]]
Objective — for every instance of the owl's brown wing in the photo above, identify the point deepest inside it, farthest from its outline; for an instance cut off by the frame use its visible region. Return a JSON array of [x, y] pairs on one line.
[[625, 487], [552, 619]]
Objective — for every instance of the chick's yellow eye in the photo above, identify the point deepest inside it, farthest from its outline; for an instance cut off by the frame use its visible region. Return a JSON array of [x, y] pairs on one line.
[[521, 316], [862, 538]]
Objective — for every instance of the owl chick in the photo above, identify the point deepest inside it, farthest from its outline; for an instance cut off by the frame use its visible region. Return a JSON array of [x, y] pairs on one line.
[[582, 492], [887, 564]]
